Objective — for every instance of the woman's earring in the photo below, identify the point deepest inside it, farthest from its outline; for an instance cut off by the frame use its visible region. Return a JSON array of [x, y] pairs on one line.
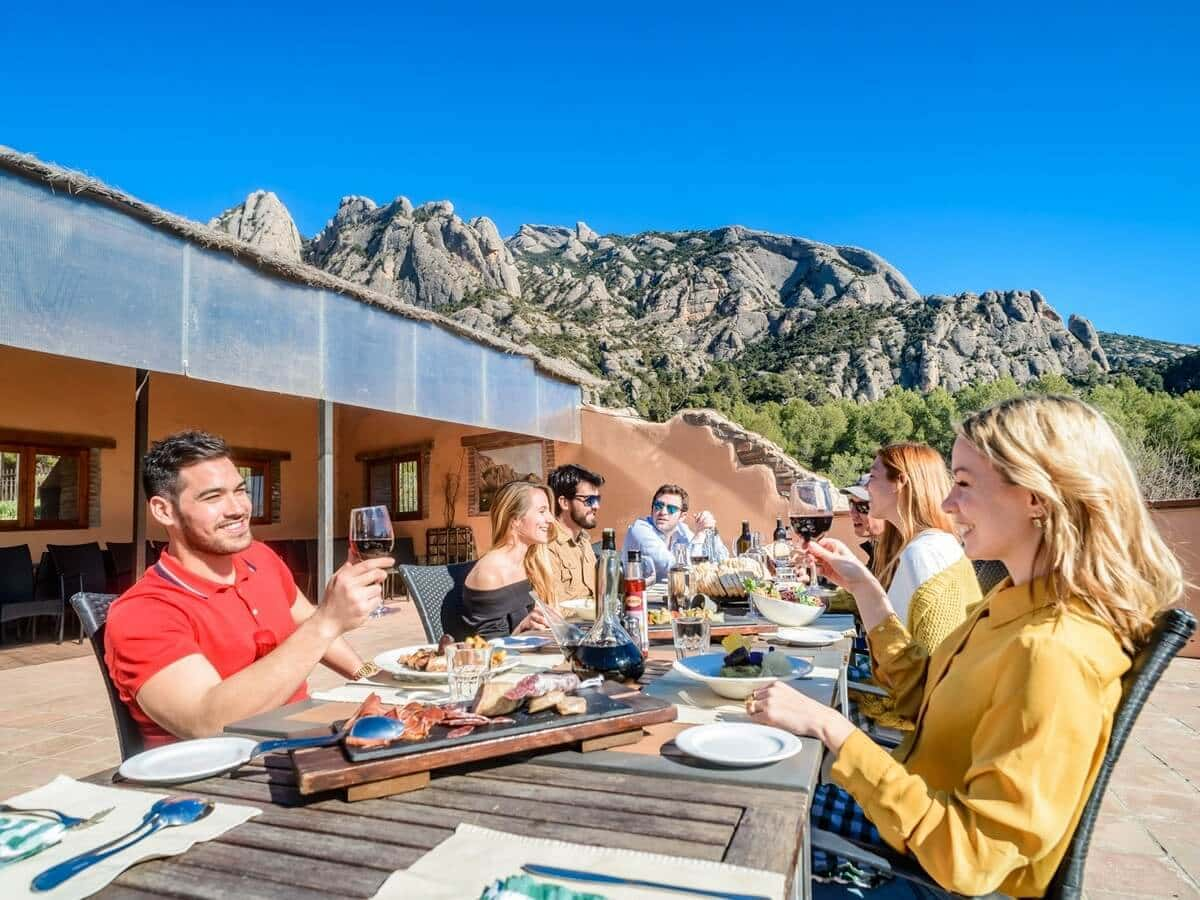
[[1038, 522]]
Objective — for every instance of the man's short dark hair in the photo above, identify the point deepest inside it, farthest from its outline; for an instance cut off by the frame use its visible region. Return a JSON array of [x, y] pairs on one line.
[[164, 459], [672, 489], [565, 480]]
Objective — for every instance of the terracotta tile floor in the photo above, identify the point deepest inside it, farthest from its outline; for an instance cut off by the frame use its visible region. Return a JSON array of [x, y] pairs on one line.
[[54, 718]]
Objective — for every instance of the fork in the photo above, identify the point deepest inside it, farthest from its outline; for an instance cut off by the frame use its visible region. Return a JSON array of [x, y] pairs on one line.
[[63, 818]]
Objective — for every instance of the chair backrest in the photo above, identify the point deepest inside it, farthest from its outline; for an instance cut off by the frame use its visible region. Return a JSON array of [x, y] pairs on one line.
[[16, 574], [92, 610], [1172, 629], [429, 586], [80, 561], [120, 554], [404, 552], [989, 572]]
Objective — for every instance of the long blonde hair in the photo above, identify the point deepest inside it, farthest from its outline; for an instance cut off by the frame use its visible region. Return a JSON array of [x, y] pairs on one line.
[[1097, 542], [511, 502], [922, 483]]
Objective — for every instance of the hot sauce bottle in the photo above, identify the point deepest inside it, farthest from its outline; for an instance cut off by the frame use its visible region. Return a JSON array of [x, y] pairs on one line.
[[633, 586]]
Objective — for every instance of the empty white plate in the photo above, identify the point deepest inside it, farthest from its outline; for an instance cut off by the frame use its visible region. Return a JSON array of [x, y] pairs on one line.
[[521, 641], [188, 760], [739, 744], [807, 637]]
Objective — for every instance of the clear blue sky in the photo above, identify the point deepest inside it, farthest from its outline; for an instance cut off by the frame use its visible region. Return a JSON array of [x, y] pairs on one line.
[[975, 146]]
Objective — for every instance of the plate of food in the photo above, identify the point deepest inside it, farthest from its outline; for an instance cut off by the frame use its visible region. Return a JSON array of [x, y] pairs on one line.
[[739, 672], [786, 603], [427, 662]]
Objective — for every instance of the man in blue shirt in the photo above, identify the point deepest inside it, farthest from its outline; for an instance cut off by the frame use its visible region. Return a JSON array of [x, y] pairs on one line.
[[656, 535]]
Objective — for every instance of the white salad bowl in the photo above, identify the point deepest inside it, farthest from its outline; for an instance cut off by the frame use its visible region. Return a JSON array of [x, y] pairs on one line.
[[786, 612]]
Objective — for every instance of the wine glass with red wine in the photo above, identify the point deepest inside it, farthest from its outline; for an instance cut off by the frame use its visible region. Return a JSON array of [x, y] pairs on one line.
[[371, 537], [810, 508]]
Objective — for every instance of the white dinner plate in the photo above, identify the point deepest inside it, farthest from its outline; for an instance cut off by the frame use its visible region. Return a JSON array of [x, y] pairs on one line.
[[520, 642], [188, 760], [806, 637], [738, 744], [389, 661]]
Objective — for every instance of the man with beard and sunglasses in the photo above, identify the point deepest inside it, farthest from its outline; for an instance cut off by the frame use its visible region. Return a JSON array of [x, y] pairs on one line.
[[576, 501], [656, 535], [217, 631]]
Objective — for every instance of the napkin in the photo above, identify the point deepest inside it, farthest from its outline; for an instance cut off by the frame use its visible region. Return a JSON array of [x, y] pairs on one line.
[[79, 799], [22, 836], [495, 855]]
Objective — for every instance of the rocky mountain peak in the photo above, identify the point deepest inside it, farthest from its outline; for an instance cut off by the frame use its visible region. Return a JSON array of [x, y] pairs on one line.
[[264, 222]]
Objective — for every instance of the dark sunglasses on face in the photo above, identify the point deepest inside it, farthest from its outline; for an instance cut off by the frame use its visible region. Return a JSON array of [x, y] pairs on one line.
[[659, 506], [591, 501], [860, 507]]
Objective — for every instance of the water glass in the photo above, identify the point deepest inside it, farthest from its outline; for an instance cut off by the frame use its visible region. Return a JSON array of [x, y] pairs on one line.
[[691, 636], [467, 668]]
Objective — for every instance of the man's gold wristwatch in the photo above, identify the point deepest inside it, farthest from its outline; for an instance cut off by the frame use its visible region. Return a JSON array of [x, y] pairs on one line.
[[366, 670]]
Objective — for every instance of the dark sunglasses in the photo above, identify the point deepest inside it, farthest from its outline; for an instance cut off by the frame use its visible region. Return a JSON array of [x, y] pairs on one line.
[[659, 506], [591, 501], [859, 507]]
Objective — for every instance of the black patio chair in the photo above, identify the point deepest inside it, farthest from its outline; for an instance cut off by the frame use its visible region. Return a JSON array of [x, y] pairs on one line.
[[1172, 630], [17, 598], [120, 563], [429, 586], [79, 567], [92, 610], [989, 572]]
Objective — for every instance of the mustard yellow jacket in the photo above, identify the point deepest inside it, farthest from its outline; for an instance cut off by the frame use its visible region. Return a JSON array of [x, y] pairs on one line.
[[1013, 712]]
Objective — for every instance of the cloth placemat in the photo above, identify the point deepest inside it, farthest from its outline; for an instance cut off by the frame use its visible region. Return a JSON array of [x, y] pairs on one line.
[[77, 798], [441, 875], [698, 705]]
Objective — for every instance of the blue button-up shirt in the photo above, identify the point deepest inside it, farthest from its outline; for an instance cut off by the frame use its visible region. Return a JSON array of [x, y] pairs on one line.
[[653, 544]]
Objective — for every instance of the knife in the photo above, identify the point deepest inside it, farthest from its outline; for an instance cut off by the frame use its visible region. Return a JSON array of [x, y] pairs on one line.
[[597, 878]]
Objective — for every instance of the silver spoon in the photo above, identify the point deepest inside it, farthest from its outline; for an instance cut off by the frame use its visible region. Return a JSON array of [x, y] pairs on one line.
[[166, 813], [370, 728]]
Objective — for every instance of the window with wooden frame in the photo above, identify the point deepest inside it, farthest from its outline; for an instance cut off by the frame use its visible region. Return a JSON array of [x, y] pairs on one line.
[[257, 474], [398, 479], [43, 486]]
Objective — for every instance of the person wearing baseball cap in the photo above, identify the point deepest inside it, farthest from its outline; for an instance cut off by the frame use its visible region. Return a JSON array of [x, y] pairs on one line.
[[865, 525]]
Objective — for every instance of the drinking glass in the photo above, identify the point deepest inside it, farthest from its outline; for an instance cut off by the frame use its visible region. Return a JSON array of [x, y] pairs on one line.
[[467, 669], [691, 636], [810, 508], [371, 537], [649, 572]]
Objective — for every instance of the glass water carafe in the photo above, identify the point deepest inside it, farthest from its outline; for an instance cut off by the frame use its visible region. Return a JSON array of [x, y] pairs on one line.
[[607, 649]]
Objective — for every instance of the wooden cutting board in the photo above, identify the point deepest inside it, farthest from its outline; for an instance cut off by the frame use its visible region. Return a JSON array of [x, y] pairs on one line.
[[329, 768]]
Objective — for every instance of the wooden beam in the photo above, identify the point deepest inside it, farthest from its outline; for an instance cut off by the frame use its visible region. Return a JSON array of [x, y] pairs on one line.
[[325, 506], [141, 430], [260, 455], [56, 438]]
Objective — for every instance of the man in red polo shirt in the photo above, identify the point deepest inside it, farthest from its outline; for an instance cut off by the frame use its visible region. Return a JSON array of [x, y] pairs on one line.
[[217, 631]]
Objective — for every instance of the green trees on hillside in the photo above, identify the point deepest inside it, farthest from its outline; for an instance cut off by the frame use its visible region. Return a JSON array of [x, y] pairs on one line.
[[839, 437]]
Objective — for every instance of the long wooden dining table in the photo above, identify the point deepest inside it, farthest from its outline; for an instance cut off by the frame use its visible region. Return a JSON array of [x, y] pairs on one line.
[[643, 797]]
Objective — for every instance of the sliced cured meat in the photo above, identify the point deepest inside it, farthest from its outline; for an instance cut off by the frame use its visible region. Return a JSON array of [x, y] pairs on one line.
[[542, 683], [462, 731]]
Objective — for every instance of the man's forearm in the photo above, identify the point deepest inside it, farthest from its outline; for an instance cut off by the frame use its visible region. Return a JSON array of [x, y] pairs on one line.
[[269, 682], [342, 658]]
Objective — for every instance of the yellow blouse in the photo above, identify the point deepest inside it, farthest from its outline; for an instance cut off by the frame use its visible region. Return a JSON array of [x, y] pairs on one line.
[[1013, 712]]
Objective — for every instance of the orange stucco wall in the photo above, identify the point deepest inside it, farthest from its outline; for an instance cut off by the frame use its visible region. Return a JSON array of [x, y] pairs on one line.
[[1180, 527], [636, 456]]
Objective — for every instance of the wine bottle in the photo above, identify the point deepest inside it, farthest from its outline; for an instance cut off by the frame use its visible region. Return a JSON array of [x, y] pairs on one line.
[[780, 532], [743, 541]]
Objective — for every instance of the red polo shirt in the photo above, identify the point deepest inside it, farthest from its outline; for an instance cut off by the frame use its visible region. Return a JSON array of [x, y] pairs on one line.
[[172, 613]]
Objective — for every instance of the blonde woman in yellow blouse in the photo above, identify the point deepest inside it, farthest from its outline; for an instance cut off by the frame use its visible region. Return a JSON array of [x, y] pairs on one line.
[[1014, 709]]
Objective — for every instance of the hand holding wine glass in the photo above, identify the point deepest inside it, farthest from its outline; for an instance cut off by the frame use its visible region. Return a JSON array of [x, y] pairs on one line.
[[810, 508], [371, 537]]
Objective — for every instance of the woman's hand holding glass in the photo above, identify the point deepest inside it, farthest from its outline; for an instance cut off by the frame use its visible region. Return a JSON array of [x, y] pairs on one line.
[[837, 562]]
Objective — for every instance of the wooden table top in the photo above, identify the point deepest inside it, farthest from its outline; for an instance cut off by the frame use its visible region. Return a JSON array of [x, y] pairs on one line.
[[321, 847]]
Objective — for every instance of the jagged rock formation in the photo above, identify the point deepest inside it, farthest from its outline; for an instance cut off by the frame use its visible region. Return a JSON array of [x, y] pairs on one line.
[[1127, 351], [660, 308], [263, 221], [425, 255]]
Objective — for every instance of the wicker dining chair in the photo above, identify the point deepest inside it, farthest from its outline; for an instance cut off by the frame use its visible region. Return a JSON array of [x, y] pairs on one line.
[[92, 610], [1172, 630], [429, 586]]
